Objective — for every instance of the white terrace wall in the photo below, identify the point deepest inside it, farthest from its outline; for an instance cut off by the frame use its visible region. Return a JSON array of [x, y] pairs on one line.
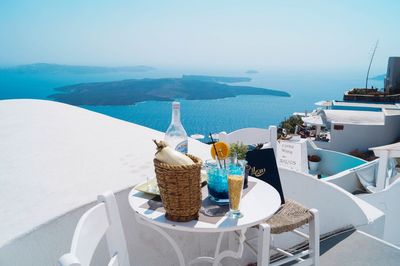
[[388, 202], [347, 180], [362, 137], [337, 207], [70, 155]]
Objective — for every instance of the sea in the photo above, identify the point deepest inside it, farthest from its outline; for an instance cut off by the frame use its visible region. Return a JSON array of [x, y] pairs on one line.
[[200, 116]]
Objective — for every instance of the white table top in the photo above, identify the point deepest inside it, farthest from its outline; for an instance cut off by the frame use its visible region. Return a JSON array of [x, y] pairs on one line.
[[260, 203]]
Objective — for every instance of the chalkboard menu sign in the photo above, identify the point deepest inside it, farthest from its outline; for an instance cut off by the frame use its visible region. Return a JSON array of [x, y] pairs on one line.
[[262, 165]]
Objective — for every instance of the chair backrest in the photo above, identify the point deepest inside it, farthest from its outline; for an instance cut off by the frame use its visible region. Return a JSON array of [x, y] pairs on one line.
[[102, 219], [251, 136]]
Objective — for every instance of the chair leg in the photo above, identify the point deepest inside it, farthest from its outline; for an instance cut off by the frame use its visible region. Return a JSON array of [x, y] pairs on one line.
[[314, 237], [69, 259], [264, 237]]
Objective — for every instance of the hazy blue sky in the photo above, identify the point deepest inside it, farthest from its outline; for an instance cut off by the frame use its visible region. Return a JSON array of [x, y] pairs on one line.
[[324, 35]]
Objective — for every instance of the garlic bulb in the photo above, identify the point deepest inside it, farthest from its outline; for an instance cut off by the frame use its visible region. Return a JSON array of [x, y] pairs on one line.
[[168, 155]]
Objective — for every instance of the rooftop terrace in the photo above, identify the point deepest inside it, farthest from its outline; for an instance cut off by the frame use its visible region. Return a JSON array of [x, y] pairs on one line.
[[57, 158]]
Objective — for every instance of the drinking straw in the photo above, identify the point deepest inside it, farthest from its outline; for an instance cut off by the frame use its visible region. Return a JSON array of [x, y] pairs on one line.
[[215, 149]]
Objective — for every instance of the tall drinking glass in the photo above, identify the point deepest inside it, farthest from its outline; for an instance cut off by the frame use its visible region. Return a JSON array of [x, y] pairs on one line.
[[236, 172]]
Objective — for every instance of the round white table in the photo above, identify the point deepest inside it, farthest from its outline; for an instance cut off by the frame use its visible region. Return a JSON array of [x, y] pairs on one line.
[[260, 203]]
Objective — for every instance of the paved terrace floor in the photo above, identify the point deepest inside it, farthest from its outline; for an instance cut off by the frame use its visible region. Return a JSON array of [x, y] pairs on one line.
[[356, 248]]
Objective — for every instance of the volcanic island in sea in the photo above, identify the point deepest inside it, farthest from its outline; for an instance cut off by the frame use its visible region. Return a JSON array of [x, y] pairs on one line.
[[131, 91]]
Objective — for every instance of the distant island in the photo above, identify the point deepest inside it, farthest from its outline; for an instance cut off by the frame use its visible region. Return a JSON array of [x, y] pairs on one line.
[[128, 92], [216, 78], [72, 69], [251, 71]]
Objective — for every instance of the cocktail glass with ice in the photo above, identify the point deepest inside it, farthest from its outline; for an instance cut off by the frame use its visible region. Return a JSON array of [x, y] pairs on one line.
[[217, 182]]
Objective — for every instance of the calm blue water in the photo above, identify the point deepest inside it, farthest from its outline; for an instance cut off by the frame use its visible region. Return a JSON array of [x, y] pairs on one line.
[[199, 116], [357, 108]]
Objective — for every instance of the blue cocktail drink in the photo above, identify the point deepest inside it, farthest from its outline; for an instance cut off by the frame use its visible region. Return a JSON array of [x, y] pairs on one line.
[[217, 183]]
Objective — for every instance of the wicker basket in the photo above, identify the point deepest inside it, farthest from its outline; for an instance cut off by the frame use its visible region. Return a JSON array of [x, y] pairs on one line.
[[180, 189]]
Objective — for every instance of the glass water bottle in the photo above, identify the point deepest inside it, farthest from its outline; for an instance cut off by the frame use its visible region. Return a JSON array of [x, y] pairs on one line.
[[175, 135]]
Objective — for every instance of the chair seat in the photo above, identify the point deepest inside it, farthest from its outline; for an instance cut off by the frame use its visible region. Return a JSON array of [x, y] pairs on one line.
[[290, 216]]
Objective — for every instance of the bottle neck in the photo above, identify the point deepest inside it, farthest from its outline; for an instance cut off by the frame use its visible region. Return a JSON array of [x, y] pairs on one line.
[[176, 116]]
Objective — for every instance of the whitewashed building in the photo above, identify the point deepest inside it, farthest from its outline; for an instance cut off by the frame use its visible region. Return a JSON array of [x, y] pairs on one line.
[[359, 126]]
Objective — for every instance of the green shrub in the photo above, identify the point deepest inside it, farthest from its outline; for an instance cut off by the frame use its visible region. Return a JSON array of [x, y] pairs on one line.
[[290, 123], [240, 149]]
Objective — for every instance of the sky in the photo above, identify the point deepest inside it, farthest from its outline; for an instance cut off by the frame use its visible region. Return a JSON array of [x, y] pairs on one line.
[[281, 35]]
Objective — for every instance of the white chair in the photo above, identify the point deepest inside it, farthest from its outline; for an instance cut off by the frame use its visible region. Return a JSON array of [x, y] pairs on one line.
[[102, 219], [288, 218], [251, 136], [291, 216]]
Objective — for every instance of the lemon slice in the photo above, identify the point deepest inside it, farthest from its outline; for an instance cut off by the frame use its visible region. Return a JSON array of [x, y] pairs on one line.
[[222, 150]]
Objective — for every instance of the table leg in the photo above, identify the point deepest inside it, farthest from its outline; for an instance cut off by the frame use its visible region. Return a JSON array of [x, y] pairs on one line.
[[173, 243], [218, 256], [210, 259], [229, 253], [218, 247]]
